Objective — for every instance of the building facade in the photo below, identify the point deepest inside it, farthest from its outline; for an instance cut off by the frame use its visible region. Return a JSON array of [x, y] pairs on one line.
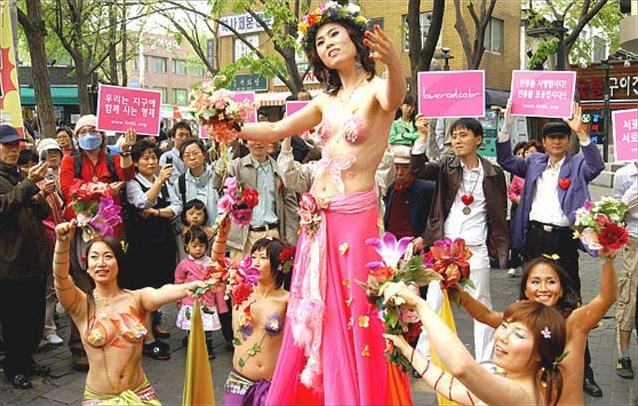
[[501, 57]]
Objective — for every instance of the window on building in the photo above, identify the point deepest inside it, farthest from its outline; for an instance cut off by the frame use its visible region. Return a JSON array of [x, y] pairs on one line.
[[425, 20], [375, 21], [179, 67], [600, 49], [241, 49], [164, 93], [493, 41], [198, 70], [159, 64], [180, 96]]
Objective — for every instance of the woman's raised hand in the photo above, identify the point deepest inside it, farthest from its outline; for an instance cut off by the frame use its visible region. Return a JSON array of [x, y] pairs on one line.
[[382, 48], [165, 173], [400, 343], [399, 293], [64, 230]]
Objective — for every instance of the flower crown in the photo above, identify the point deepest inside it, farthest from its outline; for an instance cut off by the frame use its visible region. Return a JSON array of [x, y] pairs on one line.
[[287, 258], [326, 13]]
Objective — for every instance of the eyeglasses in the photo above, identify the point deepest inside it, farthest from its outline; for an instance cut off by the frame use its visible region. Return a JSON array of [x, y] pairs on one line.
[[194, 154]]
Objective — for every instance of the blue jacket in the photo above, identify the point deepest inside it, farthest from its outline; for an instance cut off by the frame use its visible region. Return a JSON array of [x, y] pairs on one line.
[[421, 196], [580, 169]]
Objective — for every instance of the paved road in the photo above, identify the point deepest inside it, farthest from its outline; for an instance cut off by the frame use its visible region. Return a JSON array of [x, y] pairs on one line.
[[65, 386]]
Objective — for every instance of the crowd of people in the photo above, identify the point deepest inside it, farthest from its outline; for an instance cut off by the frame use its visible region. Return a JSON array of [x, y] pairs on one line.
[[310, 335]]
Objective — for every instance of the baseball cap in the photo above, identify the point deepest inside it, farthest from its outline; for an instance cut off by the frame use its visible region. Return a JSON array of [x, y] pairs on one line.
[[9, 134]]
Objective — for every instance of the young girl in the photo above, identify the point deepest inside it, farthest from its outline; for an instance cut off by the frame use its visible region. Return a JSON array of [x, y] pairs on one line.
[[194, 214], [195, 268], [403, 130], [258, 325]]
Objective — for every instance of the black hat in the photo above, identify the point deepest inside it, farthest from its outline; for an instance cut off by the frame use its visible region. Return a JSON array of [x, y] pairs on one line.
[[556, 128], [9, 134]]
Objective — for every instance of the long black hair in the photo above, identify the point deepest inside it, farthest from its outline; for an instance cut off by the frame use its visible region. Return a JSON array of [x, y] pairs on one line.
[[329, 78]]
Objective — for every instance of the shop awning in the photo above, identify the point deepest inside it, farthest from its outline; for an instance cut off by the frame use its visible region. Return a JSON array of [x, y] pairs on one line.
[[278, 98], [59, 95]]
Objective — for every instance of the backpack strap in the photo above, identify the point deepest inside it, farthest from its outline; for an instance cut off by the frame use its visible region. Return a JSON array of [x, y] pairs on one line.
[[181, 186], [78, 160]]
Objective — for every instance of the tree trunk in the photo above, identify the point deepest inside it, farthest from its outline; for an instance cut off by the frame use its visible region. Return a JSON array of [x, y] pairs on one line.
[[83, 90], [113, 44], [34, 29], [124, 45]]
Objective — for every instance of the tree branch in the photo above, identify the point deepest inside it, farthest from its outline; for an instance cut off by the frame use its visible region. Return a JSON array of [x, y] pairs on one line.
[[582, 22]]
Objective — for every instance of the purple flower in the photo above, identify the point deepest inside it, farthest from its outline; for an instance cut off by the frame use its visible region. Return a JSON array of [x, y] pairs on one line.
[[107, 216], [389, 249], [587, 205], [248, 271], [274, 326]]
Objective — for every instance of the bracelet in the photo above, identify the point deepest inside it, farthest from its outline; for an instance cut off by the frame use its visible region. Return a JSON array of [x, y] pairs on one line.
[[64, 238], [63, 288], [60, 263], [427, 366], [61, 252], [125, 154]]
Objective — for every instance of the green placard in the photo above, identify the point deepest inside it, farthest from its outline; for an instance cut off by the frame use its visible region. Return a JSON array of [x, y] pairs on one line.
[[249, 82]]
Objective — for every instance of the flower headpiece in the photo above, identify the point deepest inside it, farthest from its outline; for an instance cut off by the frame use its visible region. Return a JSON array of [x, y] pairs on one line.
[[330, 12], [287, 258]]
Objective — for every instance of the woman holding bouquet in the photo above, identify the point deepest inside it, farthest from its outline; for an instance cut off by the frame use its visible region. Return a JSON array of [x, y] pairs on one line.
[[529, 345], [330, 323], [545, 281], [110, 319]]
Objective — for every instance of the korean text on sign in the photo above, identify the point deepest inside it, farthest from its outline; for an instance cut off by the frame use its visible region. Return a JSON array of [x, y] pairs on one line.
[[121, 108], [542, 93], [625, 123]]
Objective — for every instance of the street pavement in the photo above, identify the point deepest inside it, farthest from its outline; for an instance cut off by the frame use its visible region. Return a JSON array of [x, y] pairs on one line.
[[65, 386]]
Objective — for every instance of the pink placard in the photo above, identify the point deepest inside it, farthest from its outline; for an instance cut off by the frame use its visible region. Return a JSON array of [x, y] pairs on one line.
[[240, 97], [625, 134], [294, 106], [121, 108], [452, 94], [202, 132], [542, 93]]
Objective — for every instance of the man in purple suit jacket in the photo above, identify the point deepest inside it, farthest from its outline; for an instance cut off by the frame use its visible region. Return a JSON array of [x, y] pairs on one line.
[[555, 187]]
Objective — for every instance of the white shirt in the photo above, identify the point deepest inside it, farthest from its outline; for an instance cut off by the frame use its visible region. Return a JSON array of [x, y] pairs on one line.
[[471, 227], [624, 178], [545, 204]]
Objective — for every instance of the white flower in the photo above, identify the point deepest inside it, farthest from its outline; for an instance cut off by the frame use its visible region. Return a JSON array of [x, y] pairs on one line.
[[353, 8], [590, 239]]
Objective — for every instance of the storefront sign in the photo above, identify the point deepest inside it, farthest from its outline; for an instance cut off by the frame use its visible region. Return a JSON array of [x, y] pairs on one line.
[[243, 24], [249, 82]]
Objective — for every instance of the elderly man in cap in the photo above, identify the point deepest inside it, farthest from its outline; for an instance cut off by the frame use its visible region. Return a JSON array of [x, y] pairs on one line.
[[24, 262], [408, 201], [92, 164], [555, 187]]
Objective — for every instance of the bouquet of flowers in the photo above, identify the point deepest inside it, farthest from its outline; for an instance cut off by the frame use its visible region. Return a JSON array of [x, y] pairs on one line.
[[600, 225], [449, 259], [309, 217], [398, 264], [218, 108], [238, 201], [96, 212]]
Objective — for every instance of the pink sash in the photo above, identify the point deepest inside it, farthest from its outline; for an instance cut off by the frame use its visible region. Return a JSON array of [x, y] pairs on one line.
[[307, 294]]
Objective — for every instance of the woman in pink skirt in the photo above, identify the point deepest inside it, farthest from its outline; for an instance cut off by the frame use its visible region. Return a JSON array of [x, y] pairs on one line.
[[333, 349]]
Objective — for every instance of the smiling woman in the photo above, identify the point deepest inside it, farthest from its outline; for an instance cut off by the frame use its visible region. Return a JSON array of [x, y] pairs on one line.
[[110, 318]]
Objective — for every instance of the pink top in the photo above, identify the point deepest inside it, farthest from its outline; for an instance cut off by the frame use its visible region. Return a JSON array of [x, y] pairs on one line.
[[190, 269], [516, 188]]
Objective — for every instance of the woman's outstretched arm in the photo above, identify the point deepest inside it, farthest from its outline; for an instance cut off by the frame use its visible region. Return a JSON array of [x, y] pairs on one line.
[[69, 295], [391, 95], [305, 119], [478, 310], [490, 388]]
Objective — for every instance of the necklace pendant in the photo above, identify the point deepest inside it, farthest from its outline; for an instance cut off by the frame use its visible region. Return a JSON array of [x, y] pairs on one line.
[[467, 210], [94, 178]]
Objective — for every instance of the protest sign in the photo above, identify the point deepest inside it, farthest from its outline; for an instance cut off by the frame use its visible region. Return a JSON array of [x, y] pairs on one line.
[[625, 134], [452, 94], [121, 108], [294, 106], [543, 93], [240, 97]]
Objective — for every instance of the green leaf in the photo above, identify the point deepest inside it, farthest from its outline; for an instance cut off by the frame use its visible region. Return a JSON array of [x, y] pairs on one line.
[[241, 362], [425, 276], [393, 317], [236, 342]]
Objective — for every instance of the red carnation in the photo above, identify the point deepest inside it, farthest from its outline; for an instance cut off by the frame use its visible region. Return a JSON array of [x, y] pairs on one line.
[[312, 20], [249, 197], [287, 254], [241, 294], [613, 237], [414, 330], [382, 273]]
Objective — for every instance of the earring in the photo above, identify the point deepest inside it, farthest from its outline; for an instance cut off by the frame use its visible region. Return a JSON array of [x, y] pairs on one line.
[[357, 67]]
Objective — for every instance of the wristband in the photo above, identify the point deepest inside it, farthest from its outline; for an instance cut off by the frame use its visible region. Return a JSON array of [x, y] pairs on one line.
[[64, 238], [125, 154]]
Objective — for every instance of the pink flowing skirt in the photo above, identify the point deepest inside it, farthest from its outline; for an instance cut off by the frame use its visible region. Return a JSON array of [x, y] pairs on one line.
[[354, 368]]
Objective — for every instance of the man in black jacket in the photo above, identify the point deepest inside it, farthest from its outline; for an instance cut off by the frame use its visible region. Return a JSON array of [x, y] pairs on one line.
[[24, 259]]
